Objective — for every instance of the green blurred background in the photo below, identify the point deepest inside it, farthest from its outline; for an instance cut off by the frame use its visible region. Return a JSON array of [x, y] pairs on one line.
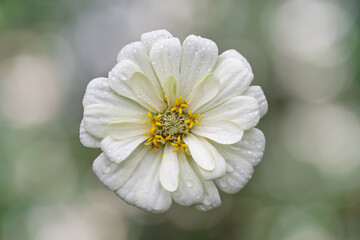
[[305, 54]]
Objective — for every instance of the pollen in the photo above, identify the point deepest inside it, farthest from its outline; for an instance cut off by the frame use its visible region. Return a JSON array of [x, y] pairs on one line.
[[170, 125]]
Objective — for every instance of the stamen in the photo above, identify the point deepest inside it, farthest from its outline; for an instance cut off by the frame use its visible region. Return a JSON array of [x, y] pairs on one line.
[[142, 116], [153, 128], [151, 107], [159, 137], [170, 125], [157, 117]]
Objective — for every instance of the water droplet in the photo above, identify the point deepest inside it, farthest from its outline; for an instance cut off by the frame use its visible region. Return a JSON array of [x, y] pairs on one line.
[[189, 183], [223, 182], [122, 76], [233, 148], [229, 168], [106, 168]]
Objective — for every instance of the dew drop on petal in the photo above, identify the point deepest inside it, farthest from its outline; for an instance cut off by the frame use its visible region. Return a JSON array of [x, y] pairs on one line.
[[233, 148], [229, 168], [106, 169], [223, 182], [189, 183]]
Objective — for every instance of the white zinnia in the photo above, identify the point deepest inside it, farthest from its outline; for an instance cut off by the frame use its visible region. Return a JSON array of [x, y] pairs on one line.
[[174, 122]]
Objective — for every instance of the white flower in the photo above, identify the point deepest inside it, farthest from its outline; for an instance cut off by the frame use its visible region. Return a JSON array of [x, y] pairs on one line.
[[174, 122]]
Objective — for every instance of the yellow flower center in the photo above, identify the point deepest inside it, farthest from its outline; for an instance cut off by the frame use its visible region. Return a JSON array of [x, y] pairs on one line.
[[170, 125]]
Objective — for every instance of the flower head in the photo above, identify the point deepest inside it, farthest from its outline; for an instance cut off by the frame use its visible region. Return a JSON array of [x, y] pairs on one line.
[[174, 122]]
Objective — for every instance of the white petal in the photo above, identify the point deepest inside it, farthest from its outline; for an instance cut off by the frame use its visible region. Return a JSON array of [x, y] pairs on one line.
[[119, 150], [232, 54], [204, 91], [119, 78], [128, 190], [211, 197], [258, 94], [235, 179], [241, 157], [98, 116], [220, 165], [144, 89], [165, 57], [150, 38], [169, 169], [190, 190], [121, 130], [119, 81], [114, 175], [87, 139], [235, 79], [222, 131], [250, 148], [198, 58], [98, 91], [199, 152], [150, 195], [137, 53], [170, 87], [242, 110]]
